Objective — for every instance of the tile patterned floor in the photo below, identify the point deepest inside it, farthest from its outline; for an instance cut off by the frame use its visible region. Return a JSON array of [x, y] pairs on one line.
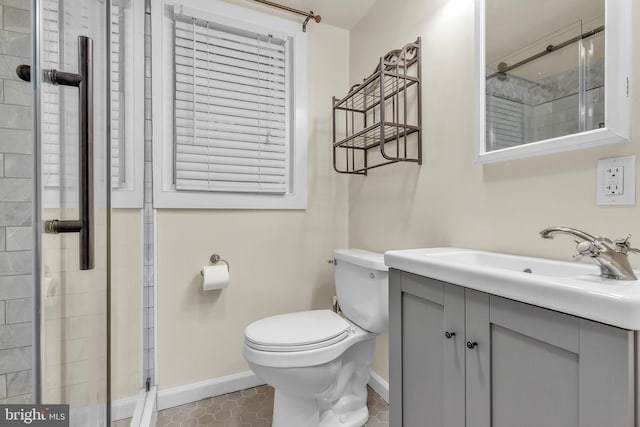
[[248, 408]]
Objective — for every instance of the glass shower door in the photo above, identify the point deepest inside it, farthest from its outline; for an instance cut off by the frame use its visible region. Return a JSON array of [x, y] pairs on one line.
[[72, 207]]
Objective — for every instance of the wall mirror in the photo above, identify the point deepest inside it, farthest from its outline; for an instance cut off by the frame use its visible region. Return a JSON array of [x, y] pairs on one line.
[[551, 76]]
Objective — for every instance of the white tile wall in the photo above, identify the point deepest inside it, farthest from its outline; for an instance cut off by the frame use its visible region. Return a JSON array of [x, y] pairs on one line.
[[17, 93], [20, 4], [149, 244], [19, 310], [17, 165], [16, 284], [17, 20], [18, 383], [549, 107]]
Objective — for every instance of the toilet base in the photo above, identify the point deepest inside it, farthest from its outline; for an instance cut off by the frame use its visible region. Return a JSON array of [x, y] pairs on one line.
[[294, 411], [291, 411], [343, 404]]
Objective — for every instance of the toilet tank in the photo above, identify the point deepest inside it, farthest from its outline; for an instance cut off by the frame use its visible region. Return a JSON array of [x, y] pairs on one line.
[[362, 286]]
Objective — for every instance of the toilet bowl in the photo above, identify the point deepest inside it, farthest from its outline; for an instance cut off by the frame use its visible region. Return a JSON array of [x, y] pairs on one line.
[[318, 361]]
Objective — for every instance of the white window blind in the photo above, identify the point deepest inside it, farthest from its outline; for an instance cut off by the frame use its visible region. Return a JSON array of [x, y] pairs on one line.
[[53, 129], [232, 107], [59, 117], [59, 104], [50, 121]]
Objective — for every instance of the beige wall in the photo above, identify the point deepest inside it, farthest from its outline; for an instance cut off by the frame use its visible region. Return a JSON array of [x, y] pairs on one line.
[[126, 302], [449, 200], [278, 258]]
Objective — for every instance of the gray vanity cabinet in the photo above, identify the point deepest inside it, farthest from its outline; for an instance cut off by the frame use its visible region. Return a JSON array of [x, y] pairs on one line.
[[509, 364], [426, 369]]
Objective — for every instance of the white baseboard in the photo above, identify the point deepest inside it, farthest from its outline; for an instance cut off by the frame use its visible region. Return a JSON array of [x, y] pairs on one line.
[[202, 390], [125, 408], [379, 385]]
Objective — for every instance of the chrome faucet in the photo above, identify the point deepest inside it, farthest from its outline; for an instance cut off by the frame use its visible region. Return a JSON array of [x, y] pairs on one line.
[[610, 255]]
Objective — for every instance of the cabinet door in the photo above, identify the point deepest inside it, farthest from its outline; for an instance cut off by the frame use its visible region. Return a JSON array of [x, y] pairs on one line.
[[426, 368], [535, 367]]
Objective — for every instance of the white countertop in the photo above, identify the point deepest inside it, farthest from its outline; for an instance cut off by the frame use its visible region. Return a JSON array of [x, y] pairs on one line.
[[573, 288]]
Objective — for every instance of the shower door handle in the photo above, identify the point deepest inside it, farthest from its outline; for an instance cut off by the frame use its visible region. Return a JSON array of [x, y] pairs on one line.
[[24, 72], [83, 80]]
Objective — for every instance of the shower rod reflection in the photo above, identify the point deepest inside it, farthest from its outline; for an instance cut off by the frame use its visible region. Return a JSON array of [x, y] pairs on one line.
[[503, 68], [310, 15]]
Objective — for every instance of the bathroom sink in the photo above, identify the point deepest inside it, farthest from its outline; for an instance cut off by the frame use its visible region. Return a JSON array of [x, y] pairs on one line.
[[573, 288], [540, 266]]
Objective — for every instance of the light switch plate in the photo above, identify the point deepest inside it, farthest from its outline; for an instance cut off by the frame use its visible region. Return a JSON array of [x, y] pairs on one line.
[[616, 183]]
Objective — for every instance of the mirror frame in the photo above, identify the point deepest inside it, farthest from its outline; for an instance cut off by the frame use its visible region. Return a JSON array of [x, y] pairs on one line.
[[617, 92]]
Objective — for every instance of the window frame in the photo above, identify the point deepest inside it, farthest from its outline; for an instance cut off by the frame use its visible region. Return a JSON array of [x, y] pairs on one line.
[[130, 194], [164, 193]]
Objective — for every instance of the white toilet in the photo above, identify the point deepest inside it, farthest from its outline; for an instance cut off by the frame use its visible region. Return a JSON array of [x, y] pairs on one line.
[[318, 361]]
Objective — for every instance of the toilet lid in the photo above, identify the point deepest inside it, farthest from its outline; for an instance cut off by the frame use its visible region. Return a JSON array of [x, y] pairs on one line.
[[305, 330]]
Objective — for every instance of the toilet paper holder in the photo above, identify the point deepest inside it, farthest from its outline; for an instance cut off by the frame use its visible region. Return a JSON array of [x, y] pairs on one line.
[[215, 259]]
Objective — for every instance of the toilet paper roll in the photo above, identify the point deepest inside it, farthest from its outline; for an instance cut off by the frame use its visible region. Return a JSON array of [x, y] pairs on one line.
[[215, 277]]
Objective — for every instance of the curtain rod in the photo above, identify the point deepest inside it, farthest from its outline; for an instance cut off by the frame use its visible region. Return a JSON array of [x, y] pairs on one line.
[[310, 15], [503, 69]]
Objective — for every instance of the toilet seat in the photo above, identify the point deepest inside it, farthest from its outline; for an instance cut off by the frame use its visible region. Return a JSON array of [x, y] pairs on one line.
[[293, 332], [300, 359]]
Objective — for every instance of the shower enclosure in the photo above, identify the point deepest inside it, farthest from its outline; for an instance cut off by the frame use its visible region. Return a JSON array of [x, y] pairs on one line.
[[71, 208], [87, 85]]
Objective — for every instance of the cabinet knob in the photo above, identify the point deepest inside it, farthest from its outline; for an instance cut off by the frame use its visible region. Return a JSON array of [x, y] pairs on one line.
[[471, 345], [449, 335]]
